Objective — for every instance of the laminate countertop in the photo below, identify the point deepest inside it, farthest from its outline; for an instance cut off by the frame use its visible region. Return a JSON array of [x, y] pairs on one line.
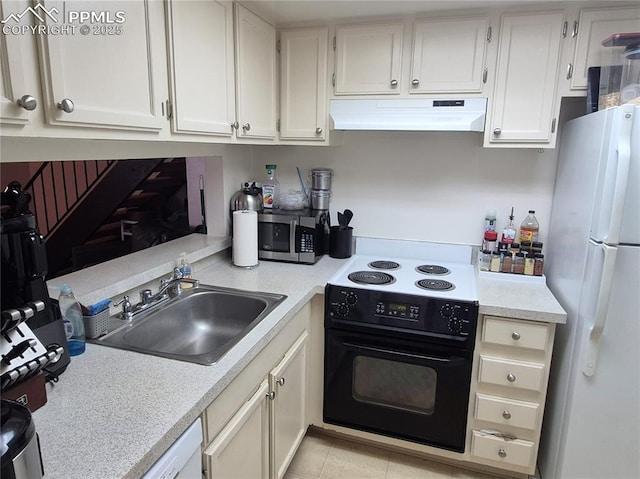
[[113, 413]]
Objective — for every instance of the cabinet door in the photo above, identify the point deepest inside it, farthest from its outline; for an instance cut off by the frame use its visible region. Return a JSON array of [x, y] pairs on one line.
[[202, 78], [256, 75], [524, 96], [288, 381], [593, 27], [111, 73], [18, 76], [303, 84], [368, 59], [448, 55], [241, 450]]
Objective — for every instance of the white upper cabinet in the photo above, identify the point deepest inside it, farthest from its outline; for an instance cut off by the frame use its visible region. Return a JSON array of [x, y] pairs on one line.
[[110, 74], [368, 59], [201, 66], [449, 55], [524, 100], [255, 75], [593, 27], [19, 88], [303, 84]]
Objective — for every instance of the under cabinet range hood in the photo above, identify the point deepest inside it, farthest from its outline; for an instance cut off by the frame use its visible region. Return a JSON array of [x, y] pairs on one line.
[[409, 114]]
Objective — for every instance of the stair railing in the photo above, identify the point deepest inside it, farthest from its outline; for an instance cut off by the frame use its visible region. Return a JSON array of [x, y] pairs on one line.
[[58, 186]]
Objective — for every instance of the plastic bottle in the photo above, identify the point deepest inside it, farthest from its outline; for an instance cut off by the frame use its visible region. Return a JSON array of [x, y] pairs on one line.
[[509, 231], [270, 188], [73, 323], [529, 228], [182, 263], [490, 220]]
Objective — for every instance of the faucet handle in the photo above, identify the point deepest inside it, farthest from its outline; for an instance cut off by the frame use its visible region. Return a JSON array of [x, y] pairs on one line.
[[145, 296], [177, 273]]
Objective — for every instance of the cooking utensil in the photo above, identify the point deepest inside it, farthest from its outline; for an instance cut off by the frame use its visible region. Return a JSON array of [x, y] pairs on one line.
[[348, 214], [342, 220]]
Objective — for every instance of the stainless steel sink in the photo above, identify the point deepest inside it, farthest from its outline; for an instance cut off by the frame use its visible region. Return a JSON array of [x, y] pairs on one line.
[[199, 326]]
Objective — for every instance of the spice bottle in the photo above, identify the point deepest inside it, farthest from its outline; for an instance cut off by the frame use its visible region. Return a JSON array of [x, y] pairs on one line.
[[484, 260], [507, 262], [529, 263], [538, 267], [495, 262], [518, 263], [529, 228], [536, 247]]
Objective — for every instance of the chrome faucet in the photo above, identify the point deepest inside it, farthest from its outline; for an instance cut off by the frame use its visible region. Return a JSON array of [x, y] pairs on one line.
[[169, 288]]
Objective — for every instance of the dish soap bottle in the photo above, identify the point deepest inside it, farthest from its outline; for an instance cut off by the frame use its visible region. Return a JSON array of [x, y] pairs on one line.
[[270, 188], [182, 263], [529, 228], [72, 318]]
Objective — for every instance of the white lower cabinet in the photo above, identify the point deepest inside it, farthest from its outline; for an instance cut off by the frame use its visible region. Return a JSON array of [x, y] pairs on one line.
[[254, 427], [513, 359], [242, 448]]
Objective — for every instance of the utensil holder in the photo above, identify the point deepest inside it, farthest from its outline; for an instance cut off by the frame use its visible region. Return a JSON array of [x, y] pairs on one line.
[[341, 242]]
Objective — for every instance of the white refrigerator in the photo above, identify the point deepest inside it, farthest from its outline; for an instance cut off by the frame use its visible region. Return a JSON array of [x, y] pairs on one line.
[[592, 419]]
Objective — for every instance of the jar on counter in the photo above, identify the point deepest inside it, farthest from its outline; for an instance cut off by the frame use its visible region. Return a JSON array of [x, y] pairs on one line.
[[538, 267], [518, 263], [507, 262], [495, 262], [490, 241], [529, 263], [484, 260]]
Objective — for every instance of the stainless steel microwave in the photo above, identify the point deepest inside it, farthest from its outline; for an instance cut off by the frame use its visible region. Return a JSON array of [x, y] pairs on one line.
[[297, 236]]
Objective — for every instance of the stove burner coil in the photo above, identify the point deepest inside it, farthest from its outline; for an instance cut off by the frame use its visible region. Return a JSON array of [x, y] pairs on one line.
[[432, 269], [384, 264], [371, 277], [435, 284]]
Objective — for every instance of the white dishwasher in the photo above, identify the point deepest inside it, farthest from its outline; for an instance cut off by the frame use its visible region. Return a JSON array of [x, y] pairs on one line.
[[183, 459]]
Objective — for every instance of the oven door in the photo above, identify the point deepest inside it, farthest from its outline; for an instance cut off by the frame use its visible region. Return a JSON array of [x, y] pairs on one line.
[[398, 387]]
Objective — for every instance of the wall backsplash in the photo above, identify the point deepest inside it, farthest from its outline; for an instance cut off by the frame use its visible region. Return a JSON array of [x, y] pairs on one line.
[[423, 186]]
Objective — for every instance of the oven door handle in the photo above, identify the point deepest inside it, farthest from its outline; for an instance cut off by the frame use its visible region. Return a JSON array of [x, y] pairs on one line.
[[451, 361]]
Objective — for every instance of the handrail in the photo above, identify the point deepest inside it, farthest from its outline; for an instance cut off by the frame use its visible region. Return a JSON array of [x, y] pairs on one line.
[[54, 196]]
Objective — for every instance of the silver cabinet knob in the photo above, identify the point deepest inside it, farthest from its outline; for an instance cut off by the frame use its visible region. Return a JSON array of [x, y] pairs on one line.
[[515, 335], [66, 105], [415, 82], [246, 127], [506, 414], [271, 395], [235, 125], [511, 378], [318, 131], [27, 102], [280, 381], [502, 453], [394, 83], [497, 131]]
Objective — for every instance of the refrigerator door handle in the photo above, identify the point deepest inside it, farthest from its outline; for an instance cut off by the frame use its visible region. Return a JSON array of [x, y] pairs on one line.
[[623, 149], [602, 308]]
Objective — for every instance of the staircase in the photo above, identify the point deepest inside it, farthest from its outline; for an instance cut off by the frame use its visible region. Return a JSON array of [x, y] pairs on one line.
[[131, 205]]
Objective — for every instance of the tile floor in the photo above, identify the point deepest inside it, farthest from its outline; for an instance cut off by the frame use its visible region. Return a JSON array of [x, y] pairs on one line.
[[326, 457]]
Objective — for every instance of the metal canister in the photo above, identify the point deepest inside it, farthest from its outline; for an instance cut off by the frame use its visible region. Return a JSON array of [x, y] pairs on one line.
[[321, 179]]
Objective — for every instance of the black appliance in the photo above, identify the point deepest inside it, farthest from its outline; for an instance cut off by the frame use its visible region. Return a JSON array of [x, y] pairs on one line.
[[21, 458], [399, 363], [296, 236], [24, 268]]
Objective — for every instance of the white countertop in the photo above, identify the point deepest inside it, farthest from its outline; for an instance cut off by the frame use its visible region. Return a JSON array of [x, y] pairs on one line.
[[113, 413]]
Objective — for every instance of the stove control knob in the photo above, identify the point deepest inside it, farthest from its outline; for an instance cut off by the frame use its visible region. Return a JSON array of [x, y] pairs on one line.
[[455, 325], [343, 309], [447, 311], [352, 299]]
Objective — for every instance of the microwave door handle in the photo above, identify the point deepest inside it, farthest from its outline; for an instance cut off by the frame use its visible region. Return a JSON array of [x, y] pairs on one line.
[[452, 361], [292, 237]]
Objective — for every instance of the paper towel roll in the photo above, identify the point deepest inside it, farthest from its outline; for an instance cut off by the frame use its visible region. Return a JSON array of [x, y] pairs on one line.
[[245, 238]]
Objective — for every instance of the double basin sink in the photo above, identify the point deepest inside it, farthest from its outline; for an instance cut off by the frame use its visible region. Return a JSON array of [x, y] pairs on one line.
[[200, 325]]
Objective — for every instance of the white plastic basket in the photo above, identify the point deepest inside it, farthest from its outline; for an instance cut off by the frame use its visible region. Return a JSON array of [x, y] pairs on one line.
[[96, 325]]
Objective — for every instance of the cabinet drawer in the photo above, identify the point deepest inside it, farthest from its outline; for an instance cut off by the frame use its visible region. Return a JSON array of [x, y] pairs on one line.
[[516, 452], [515, 374], [507, 411], [520, 334]]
